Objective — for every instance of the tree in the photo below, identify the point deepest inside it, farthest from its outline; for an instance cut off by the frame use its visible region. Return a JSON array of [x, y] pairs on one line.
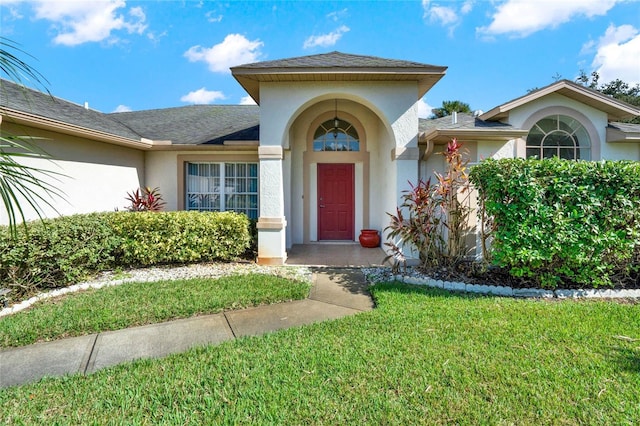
[[20, 183], [449, 107], [617, 89]]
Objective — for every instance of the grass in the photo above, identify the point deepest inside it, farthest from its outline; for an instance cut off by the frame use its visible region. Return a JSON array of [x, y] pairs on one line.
[[423, 356], [128, 305]]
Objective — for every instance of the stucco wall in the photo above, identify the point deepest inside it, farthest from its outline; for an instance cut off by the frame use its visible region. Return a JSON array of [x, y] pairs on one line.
[[387, 113], [97, 176], [163, 170]]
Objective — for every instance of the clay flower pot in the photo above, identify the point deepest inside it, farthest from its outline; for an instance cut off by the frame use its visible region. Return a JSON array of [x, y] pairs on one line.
[[369, 238]]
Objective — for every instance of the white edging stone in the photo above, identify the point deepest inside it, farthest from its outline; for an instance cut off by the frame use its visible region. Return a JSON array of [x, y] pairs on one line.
[[504, 290]]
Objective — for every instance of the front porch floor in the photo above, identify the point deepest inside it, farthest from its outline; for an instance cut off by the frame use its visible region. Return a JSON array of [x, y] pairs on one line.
[[334, 254]]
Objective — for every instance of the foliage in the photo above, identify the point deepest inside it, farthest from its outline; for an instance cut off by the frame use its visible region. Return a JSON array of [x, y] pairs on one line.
[[150, 238], [556, 220], [449, 107], [55, 252], [421, 357], [434, 218], [617, 89], [20, 183], [139, 303], [145, 199], [61, 251]]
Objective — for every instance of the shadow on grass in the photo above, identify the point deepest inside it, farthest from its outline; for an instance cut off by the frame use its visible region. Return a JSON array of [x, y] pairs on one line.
[[627, 358]]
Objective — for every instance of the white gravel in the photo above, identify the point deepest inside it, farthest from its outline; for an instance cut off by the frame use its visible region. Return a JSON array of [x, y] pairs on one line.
[[158, 273]]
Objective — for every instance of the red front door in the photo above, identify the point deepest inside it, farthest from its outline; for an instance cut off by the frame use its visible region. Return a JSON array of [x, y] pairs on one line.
[[335, 201]]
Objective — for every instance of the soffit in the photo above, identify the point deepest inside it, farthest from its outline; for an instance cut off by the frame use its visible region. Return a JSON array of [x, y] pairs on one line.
[[336, 67]]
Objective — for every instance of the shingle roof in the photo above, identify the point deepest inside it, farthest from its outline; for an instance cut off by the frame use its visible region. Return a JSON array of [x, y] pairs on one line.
[[196, 124], [464, 121], [23, 99], [337, 60], [625, 127]]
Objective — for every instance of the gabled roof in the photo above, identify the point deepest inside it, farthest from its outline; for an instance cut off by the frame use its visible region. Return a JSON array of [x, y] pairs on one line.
[[195, 124], [465, 127], [615, 109], [336, 66]]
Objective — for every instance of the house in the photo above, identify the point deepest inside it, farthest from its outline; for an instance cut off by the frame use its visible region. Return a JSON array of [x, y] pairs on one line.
[[333, 143]]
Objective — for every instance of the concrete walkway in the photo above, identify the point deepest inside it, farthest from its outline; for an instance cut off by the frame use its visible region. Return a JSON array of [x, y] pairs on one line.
[[335, 293]]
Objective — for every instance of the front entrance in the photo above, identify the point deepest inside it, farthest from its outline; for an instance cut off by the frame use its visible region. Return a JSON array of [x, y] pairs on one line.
[[336, 202]]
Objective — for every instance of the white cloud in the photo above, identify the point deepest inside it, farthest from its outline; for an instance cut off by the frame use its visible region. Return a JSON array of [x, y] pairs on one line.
[[424, 109], [234, 50], [337, 15], [617, 53], [213, 17], [446, 15], [203, 96], [247, 100], [521, 18], [325, 40], [77, 22], [122, 108]]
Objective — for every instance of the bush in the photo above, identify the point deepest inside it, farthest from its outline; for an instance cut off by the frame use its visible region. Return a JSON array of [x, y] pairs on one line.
[[556, 220], [178, 237], [57, 252]]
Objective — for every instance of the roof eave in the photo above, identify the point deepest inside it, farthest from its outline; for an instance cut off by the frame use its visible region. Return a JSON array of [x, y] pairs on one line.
[[618, 136], [442, 136], [250, 78], [44, 123]]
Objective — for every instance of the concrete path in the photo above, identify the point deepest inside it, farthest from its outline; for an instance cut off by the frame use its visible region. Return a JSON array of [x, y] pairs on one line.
[[335, 293]]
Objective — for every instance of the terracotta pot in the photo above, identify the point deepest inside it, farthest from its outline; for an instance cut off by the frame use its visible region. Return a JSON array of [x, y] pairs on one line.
[[369, 238]]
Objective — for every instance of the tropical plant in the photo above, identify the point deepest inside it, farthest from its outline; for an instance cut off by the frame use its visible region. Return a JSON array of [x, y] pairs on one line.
[[21, 183], [145, 200], [434, 218]]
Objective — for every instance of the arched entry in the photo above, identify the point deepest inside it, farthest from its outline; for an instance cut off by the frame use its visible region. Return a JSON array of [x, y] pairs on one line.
[[336, 176]]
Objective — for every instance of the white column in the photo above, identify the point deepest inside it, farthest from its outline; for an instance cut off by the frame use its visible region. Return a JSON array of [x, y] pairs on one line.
[[271, 223]]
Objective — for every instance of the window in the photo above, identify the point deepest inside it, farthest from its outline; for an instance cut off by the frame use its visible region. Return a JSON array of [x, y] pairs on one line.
[[329, 137], [222, 186], [559, 136]]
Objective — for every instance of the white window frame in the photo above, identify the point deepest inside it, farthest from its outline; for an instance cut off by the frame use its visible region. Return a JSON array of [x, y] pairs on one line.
[[221, 190]]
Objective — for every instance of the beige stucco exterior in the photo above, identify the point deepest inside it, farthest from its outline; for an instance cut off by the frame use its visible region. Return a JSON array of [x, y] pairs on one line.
[[92, 176]]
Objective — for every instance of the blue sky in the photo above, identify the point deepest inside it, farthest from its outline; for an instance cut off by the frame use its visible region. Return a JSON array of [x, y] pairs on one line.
[[133, 55]]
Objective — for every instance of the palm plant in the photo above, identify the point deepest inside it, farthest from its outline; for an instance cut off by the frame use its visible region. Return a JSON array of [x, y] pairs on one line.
[[19, 182]]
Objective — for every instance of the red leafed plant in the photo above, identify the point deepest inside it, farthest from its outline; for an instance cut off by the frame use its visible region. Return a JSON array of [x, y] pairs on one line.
[[145, 200], [434, 218]]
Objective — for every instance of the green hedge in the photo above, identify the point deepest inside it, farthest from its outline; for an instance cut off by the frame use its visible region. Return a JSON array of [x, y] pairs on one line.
[[57, 252], [558, 220], [149, 238]]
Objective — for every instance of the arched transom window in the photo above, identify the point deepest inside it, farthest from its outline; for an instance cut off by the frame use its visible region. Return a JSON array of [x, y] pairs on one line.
[[336, 135], [559, 136]]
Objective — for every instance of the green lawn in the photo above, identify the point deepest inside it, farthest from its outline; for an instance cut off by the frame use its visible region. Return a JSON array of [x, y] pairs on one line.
[[127, 305], [422, 356]]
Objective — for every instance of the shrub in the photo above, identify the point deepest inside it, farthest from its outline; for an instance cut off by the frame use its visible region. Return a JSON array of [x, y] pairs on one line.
[[55, 252], [178, 237], [434, 218], [557, 220]]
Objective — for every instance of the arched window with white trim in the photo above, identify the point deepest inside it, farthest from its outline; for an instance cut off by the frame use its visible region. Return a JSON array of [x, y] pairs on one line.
[[336, 135], [559, 136]]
